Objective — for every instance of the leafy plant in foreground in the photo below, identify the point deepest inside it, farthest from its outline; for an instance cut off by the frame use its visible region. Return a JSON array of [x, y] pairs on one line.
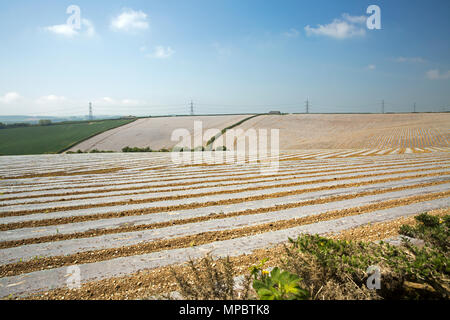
[[278, 285]]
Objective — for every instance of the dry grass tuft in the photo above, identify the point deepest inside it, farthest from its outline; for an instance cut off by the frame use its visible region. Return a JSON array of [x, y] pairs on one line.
[[211, 279]]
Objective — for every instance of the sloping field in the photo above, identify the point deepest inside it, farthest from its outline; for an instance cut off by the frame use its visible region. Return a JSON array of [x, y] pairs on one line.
[[115, 215], [406, 132], [154, 132]]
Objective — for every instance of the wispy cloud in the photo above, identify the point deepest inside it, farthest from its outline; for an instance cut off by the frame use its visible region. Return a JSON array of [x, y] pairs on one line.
[[161, 52], [90, 29], [435, 74], [10, 97], [371, 67], [410, 60], [221, 49], [341, 28], [67, 30], [130, 20], [50, 99], [108, 101], [354, 19], [291, 33], [130, 102]]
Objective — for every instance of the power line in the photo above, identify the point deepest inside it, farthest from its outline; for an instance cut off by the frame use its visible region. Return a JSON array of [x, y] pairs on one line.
[[144, 106], [204, 108], [249, 105]]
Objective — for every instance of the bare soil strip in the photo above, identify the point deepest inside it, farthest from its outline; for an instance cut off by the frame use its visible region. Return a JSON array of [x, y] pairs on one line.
[[198, 195], [89, 186], [65, 173], [155, 282], [131, 228], [243, 181], [159, 217], [69, 247], [381, 230], [64, 202], [202, 238], [174, 173], [229, 175], [73, 219]]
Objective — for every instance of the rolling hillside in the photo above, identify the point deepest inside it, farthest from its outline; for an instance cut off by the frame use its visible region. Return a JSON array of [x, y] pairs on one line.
[[356, 131], [154, 132]]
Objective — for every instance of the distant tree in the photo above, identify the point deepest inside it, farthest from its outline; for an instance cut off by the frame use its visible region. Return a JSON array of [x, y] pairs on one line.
[[44, 122], [17, 125], [2, 125], [136, 149]]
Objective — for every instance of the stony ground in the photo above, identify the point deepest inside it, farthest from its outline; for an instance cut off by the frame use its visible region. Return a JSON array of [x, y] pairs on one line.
[[123, 219], [380, 132]]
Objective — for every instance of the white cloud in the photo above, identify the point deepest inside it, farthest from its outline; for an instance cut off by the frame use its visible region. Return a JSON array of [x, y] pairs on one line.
[[435, 74], [348, 27], [371, 67], [130, 20], [10, 97], [50, 99], [354, 19], [63, 30], [292, 33], [66, 30], [410, 60], [161, 52]]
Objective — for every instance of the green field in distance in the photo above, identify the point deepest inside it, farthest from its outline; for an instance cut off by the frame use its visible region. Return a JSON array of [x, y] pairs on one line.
[[52, 138]]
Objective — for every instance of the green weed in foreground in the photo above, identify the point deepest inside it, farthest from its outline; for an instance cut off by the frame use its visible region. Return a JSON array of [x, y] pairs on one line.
[[315, 267], [278, 285]]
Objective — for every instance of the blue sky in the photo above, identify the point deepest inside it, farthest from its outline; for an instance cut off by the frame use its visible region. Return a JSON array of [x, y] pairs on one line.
[[153, 57]]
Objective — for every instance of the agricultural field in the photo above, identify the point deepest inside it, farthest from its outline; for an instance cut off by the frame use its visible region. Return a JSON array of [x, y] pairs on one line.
[[155, 132], [52, 138], [399, 133], [123, 219]]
